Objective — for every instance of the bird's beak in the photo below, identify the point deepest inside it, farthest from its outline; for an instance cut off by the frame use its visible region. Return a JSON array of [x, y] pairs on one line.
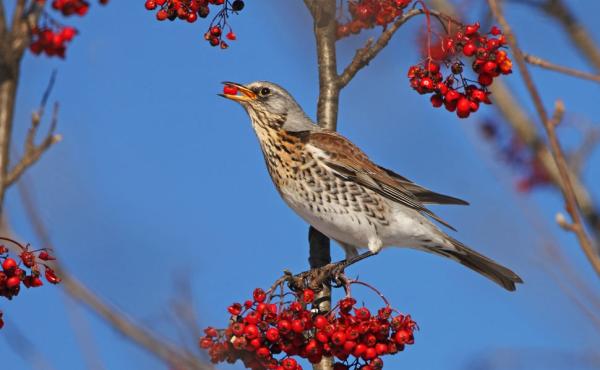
[[242, 93]]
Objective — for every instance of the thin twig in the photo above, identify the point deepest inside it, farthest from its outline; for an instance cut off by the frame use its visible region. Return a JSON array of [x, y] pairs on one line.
[[578, 157], [557, 152], [537, 61], [33, 152]]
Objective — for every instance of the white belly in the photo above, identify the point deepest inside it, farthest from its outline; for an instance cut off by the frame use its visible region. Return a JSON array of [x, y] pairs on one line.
[[406, 227]]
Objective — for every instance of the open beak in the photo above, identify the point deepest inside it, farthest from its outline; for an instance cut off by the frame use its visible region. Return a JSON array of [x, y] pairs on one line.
[[242, 93]]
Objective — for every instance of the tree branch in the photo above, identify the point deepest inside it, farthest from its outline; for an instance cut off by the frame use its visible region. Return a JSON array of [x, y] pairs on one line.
[[33, 152], [574, 29], [325, 25], [2, 20], [556, 149], [527, 130], [18, 14], [537, 61], [142, 337], [368, 52], [325, 34]]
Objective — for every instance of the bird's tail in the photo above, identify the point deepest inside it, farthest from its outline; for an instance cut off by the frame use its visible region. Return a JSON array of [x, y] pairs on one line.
[[481, 264]]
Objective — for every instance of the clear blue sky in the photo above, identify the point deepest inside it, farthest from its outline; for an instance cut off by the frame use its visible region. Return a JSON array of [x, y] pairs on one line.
[[158, 179]]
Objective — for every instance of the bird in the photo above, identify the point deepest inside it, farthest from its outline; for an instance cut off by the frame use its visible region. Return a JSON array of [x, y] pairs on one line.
[[334, 186]]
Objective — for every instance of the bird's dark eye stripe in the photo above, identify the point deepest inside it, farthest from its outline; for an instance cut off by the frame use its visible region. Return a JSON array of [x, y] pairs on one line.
[[265, 91]]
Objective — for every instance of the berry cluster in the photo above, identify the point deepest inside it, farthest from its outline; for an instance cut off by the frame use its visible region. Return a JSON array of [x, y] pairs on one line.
[[366, 14], [24, 270], [456, 92], [73, 7], [518, 156], [50, 37], [190, 10], [267, 335], [51, 41]]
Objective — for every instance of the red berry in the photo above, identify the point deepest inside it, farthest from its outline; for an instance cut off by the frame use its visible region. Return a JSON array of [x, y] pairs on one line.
[[51, 276], [13, 282], [235, 309], [338, 338], [206, 343], [469, 49], [150, 5], [381, 349], [433, 68], [289, 364], [452, 95], [471, 29], [490, 67], [28, 259], [370, 354], [192, 17], [402, 336], [161, 15], [215, 31], [263, 352], [485, 79], [272, 335], [359, 350], [284, 326], [463, 108], [297, 326], [450, 105], [495, 31], [230, 36], [363, 12], [426, 84], [308, 295], [9, 264], [320, 322], [436, 100], [251, 331]]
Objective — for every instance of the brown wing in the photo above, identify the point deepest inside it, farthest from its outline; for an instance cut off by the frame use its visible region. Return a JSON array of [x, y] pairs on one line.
[[423, 194], [347, 161]]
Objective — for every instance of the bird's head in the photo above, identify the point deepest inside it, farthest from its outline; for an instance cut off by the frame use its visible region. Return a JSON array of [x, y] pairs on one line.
[[268, 101]]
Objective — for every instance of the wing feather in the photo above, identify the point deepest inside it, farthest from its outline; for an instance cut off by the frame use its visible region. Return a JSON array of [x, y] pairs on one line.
[[350, 163]]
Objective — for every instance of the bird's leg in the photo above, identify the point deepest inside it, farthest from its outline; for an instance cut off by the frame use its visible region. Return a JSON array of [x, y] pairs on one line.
[[358, 258]]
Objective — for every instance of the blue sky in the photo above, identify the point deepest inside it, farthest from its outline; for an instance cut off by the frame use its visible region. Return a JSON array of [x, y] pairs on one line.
[[157, 178]]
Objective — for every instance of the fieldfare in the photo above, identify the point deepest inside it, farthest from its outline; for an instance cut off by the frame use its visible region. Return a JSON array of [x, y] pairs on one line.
[[336, 188]]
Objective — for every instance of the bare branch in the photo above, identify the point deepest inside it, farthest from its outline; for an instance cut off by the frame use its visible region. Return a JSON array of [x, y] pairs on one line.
[[23, 26], [527, 131], [574, 29], [166, 351], [532, 59], [578, 157], [33, 152], [555, 147], [325, 26], [2, 20], [367, 53], [325, 35], [160, 348], [18, 14]]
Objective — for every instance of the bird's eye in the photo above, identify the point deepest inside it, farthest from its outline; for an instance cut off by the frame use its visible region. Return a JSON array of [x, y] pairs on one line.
[[265, 91]]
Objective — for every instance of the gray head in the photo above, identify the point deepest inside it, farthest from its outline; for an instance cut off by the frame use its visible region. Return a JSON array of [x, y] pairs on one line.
[[269, 100]]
